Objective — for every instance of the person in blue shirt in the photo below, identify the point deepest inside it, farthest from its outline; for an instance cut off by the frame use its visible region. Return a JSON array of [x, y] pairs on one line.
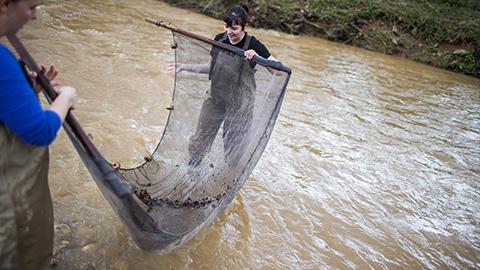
[[26, 130]]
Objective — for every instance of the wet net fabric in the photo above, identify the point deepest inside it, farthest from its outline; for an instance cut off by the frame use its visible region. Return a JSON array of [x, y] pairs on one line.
[[219, 126]]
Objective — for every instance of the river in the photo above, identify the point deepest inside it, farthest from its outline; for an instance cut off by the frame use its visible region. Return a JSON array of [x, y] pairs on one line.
[[374, 162]]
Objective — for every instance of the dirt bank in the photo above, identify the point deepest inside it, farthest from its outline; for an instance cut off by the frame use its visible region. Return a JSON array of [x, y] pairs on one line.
[[442, 33]]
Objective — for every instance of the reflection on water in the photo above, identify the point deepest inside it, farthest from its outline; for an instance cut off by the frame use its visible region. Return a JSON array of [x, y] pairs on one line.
[[373, 163]]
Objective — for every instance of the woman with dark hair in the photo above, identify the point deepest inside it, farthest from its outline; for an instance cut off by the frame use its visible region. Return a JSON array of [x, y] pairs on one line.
[[26, 130], [230, 100]]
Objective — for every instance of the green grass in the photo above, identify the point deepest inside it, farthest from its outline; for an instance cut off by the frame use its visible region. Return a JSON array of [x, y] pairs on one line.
[[370, 24]]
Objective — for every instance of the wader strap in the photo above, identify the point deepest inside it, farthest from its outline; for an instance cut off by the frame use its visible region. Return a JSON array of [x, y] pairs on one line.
[[27, 75], [242, 65], [247, 42], [224, 37], [214, 57]]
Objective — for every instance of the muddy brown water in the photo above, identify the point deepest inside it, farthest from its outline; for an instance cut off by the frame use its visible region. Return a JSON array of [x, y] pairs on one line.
[[373, 164]]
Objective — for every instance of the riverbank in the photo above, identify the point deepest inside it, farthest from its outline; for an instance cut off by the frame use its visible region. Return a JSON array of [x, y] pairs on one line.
[[442, 33]]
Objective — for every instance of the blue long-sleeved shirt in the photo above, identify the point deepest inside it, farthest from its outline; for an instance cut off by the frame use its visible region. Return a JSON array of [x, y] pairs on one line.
[[20, 110]]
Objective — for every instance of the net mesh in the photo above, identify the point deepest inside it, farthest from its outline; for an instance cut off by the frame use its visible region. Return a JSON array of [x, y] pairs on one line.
[[215, 134]]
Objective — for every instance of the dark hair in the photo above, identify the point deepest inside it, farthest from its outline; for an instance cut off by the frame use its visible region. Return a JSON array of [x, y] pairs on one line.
[[237, 14]]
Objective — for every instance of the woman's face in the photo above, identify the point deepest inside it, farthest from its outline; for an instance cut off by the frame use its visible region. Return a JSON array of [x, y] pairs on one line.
[[19, 13], [235, 32]]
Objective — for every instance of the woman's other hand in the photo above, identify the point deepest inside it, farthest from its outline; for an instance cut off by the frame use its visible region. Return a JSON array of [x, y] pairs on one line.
[[70, 95], [50, 74], [67, 96], [174, 69], [249, 54]]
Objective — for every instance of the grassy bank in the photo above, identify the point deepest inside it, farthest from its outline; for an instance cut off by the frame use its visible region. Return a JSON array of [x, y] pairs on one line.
[[442, 33]]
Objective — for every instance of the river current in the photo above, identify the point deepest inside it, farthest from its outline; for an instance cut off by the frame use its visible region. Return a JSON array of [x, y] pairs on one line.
[[373, 164]]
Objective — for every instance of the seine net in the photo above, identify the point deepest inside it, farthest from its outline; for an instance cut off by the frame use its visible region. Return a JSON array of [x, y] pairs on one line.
[[218, 127], [219, 124]]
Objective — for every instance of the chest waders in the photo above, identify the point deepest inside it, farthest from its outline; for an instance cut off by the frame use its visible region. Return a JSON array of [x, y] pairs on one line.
[[26, 215], [231, 101]]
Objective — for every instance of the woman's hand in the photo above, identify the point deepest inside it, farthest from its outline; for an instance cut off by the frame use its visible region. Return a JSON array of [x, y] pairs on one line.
[[172, 69], [249, 54], [49, 74], [70, 95], [67, 96]]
